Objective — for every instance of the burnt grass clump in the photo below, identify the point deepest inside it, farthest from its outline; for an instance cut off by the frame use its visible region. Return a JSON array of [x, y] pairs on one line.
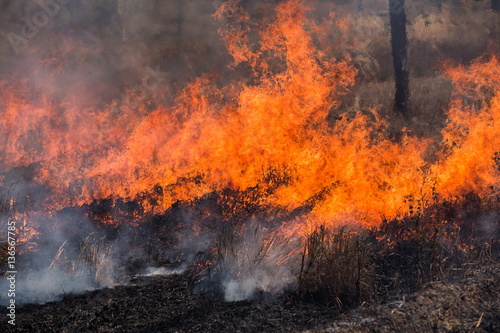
[[436, 243]]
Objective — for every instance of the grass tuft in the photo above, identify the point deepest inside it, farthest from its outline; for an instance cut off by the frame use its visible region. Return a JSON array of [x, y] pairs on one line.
[[335, 269]]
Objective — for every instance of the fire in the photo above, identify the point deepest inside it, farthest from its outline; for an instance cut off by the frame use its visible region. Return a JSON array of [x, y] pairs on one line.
[[268, 128], [471, 139]]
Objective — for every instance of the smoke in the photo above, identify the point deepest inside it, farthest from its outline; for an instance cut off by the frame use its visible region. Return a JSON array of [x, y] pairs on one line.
[[260, 259], [45, 286], [61, 278], [266, 278], [101, 48], [152, 271], [51, 256], [489, 225], [71, 61], [242, 290]]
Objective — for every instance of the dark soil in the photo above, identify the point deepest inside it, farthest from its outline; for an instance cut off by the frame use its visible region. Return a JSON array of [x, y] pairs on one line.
[[169, 304], [175, 304]]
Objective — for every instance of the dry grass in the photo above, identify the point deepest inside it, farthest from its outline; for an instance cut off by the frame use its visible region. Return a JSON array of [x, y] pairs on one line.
[[253, 258], [438, 241], [429, 98], [94, 259], [460, 30], [96, 255], [455, 30], [335, 269]]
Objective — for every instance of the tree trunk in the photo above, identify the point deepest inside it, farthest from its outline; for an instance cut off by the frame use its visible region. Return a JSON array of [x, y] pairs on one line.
[[360, 5], [495, 5], [399, 43]]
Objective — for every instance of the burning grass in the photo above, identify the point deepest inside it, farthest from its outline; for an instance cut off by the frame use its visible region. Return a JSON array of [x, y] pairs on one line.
[[234, 179], [272, 115]]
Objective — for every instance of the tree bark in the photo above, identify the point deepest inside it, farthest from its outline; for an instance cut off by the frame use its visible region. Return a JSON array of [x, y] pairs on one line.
[[399, 43]]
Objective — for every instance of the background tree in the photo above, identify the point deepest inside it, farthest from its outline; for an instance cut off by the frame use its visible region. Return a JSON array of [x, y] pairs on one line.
[[399, 44]]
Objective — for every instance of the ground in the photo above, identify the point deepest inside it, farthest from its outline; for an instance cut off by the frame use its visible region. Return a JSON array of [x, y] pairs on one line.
[[471, 303]]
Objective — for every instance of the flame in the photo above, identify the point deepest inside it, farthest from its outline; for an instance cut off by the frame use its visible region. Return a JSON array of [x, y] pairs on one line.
[[268, 128], [471, 139]]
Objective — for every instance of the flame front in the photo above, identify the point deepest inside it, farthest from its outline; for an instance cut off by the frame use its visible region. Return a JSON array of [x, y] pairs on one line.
[[272, 120]]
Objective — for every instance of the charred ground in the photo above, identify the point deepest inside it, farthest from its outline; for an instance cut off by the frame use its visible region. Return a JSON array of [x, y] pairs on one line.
[[423, 275], [170, 304]]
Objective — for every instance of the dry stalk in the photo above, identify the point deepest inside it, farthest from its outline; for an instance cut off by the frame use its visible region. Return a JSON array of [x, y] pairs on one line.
[[334, 268], [58, 255], [254, 251]]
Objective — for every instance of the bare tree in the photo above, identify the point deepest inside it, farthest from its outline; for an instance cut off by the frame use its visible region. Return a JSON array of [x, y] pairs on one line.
[[399, 43]]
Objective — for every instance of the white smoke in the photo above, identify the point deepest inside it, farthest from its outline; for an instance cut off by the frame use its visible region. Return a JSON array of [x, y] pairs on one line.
[[45, 286], [262, 260], [152, 271], [489, 224], [64, 262], [239, 290]]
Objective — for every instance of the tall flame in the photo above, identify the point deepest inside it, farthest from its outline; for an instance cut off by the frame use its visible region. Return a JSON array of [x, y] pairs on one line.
[[470, 160], [273, 119]]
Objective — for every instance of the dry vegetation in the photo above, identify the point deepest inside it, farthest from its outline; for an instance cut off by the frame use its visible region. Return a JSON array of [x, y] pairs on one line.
[[437, 30], [252, 259], [95, 258], [335, 269]]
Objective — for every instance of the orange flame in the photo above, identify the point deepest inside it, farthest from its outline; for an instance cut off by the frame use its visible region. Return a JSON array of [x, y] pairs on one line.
[[470, 162], [273, 118]]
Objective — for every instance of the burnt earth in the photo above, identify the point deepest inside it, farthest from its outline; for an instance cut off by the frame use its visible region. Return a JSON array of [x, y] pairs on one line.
[[471, 304], [175, 304], [169, 304]]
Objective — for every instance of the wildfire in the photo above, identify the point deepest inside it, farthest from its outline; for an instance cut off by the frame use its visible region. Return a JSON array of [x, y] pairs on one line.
[[469, 162], [272, 120]]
